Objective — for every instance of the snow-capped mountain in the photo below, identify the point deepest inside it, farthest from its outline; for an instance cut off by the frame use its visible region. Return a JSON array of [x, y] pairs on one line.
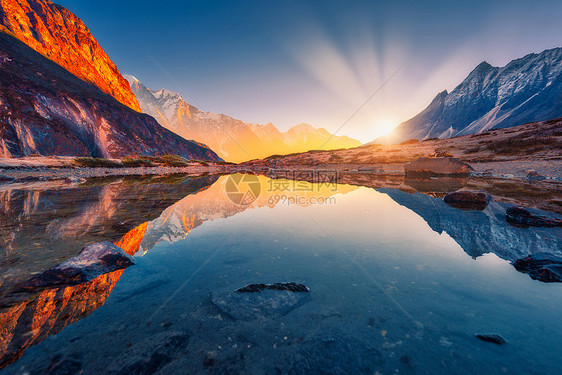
[[233, 139], [525, 90]]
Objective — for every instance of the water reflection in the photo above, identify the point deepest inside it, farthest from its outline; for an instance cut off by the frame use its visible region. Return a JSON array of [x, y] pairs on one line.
[[163, 212]]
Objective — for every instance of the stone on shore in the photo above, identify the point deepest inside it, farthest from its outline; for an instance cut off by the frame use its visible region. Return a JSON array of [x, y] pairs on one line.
[[468, 199], [94, 260], [440, 166]]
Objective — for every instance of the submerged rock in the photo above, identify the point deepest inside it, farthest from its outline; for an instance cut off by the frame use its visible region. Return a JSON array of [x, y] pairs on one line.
[[521, 217], [150, 355], [258, 301], [541, 266], [94, 260], [256, 288], [491, 337], [468, 199], [439, 166]]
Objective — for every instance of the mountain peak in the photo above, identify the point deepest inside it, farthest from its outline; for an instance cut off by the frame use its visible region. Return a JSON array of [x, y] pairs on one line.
[[58, 34], [234, 140], [527, 89]]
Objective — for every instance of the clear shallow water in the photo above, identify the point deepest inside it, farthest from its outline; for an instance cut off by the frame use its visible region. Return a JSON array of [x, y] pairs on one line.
[[399, 283]]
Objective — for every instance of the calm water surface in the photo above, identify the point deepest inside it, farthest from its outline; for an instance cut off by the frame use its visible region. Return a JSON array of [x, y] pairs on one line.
[[399, 283]]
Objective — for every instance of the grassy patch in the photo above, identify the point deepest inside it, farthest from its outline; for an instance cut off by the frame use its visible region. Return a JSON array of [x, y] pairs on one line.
[[155, 161], [97, 163]]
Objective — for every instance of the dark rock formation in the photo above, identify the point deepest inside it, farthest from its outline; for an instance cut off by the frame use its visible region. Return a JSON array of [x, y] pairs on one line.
[[94, 260], [521, 217], [445, 166], [541, 266], [46, 110], [58, 34], [256, 288], [492, 337], [468, 199]]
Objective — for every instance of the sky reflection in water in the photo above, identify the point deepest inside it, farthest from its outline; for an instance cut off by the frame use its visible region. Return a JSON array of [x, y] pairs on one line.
[[397, 282]]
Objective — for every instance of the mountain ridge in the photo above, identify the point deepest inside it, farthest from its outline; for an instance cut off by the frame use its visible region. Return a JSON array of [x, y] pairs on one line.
[[233, 139], [527, 89]]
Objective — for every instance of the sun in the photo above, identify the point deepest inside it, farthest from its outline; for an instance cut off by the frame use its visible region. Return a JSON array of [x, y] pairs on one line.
[[383, 126]]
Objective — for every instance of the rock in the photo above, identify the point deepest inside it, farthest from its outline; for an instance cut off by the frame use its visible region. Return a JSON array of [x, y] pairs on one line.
[[468, 199], [149, 355], [494, 338], [94, 260], [521, 217], [256, 288], [535, 176], [541, 266], [440, 166], [259, 301], [440, 154]]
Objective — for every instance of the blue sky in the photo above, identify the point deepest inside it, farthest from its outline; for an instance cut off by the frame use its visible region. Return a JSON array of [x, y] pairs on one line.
[[289, 62]]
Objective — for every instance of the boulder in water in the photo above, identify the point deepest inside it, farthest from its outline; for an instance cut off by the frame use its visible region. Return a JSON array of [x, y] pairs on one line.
[[94, 260], [468, 199]]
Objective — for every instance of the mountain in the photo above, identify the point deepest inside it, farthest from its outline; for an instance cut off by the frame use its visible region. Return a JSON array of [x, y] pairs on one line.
[[44, 109], [234, 140], [58, 34], [525, 90]]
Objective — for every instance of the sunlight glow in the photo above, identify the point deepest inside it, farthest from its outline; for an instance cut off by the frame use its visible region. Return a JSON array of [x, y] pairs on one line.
[[383, 126]]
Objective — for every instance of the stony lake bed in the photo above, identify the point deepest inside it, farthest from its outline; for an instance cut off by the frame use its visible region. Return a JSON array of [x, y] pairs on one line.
[[372, 299]]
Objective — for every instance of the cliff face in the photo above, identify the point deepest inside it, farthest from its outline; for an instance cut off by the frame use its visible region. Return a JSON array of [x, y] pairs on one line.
[[58, 34], [46, 110]]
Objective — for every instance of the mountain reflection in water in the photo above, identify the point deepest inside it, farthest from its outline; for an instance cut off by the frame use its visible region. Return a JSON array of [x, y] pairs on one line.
[[41, 227]]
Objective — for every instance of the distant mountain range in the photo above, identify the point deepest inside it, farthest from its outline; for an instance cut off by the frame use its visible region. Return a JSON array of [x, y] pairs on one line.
[[234, 140], [60, 94], [525, 90]]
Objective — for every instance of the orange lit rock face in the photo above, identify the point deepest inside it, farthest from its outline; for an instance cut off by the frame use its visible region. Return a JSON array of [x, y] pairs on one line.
[[44, 314], [131, 241], [58, 34]]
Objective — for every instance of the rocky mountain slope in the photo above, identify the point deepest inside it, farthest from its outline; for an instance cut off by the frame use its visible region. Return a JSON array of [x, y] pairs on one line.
[[58, 34], [44, 109], [234, 140], [533, 142], [525, 90]]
